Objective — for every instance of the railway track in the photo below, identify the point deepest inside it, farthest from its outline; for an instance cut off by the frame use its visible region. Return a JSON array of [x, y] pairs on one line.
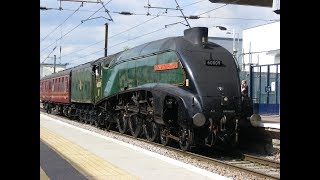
[[247, 163], [254, 165]]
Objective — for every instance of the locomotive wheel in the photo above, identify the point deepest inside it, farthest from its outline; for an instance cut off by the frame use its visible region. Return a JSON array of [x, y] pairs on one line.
[[49, 110], [69, 113], [96, 122], [92, 118], [81, 116], [185, 139], [122, 123], [164, 140], [86, 119], [108, 125], [92, 121], [135, 125], [151, 130]]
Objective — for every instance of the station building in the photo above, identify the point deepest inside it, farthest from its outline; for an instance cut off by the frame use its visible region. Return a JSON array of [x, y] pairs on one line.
[[46, 68], [260, 66]]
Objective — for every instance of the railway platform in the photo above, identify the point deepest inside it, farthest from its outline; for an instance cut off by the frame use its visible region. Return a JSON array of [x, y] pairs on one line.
[[270, 122], [83, 154]]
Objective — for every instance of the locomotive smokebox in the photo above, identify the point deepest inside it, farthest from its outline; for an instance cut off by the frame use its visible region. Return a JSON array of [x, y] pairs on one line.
[[197, 35]]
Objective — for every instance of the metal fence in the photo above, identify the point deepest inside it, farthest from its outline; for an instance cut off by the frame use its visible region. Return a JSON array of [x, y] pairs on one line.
[[264, 88]]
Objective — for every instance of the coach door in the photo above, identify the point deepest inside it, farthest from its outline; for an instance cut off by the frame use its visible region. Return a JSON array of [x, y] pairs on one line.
[[98, 78]]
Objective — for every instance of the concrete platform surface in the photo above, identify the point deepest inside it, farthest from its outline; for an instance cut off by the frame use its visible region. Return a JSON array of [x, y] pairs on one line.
[[56, 167], [100, 157], [272, 121]]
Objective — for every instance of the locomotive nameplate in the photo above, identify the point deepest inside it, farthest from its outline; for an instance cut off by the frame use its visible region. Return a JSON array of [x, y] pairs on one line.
[[167, 66], [213, 62]]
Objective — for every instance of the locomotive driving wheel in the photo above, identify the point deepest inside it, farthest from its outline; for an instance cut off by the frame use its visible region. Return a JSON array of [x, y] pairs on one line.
[[185, 139], [86, 116], [163, 136], [151, 130], [135, 125], [92, 118], [122, 122], [81, 114], [108, 121], [97, 121], [150, 127]]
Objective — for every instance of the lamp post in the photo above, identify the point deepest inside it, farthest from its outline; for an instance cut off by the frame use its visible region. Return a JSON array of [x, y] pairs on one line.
[[235, 47], [234, 34]]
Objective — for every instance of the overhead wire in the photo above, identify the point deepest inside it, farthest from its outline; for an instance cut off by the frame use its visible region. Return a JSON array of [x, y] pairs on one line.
[[61, 23], [178, 6], [74, 27], [155, 16], [49, 54], [118, 44], [217, 8], [140, 24], [246, 19], [111, 36], [193, 3], [64, 9]]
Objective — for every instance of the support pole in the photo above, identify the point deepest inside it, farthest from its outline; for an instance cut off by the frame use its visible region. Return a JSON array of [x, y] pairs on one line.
[[54, 66], [106, 42]]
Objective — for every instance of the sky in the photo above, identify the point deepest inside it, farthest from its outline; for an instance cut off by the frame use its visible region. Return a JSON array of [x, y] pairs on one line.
[[79, 29]]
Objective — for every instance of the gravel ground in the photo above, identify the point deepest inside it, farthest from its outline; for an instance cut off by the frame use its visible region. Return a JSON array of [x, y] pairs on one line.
[[275, 155], [231, 173], [273, 152]]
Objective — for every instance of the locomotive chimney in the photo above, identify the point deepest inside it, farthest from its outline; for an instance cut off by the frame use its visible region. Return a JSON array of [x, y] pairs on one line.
[[197, 35]]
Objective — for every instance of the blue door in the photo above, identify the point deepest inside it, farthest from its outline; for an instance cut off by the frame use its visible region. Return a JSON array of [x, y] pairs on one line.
[[265, 88]]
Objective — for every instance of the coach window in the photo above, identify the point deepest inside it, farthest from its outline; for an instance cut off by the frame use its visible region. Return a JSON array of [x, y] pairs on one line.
[[59, 86], [62, 84], [67, 82], [54, 85]]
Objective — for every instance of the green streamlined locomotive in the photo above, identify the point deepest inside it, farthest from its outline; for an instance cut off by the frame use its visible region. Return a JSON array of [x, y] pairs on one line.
[[179, 88]]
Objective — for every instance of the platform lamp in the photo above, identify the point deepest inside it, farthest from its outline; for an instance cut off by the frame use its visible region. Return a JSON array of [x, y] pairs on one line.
[[222, 28]]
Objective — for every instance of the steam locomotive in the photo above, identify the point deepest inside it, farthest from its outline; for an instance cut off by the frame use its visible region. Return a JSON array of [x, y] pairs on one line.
[[182, 89]]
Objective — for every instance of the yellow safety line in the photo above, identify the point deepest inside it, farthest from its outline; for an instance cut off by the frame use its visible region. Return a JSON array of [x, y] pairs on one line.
[[43, 175], [83, 160]]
